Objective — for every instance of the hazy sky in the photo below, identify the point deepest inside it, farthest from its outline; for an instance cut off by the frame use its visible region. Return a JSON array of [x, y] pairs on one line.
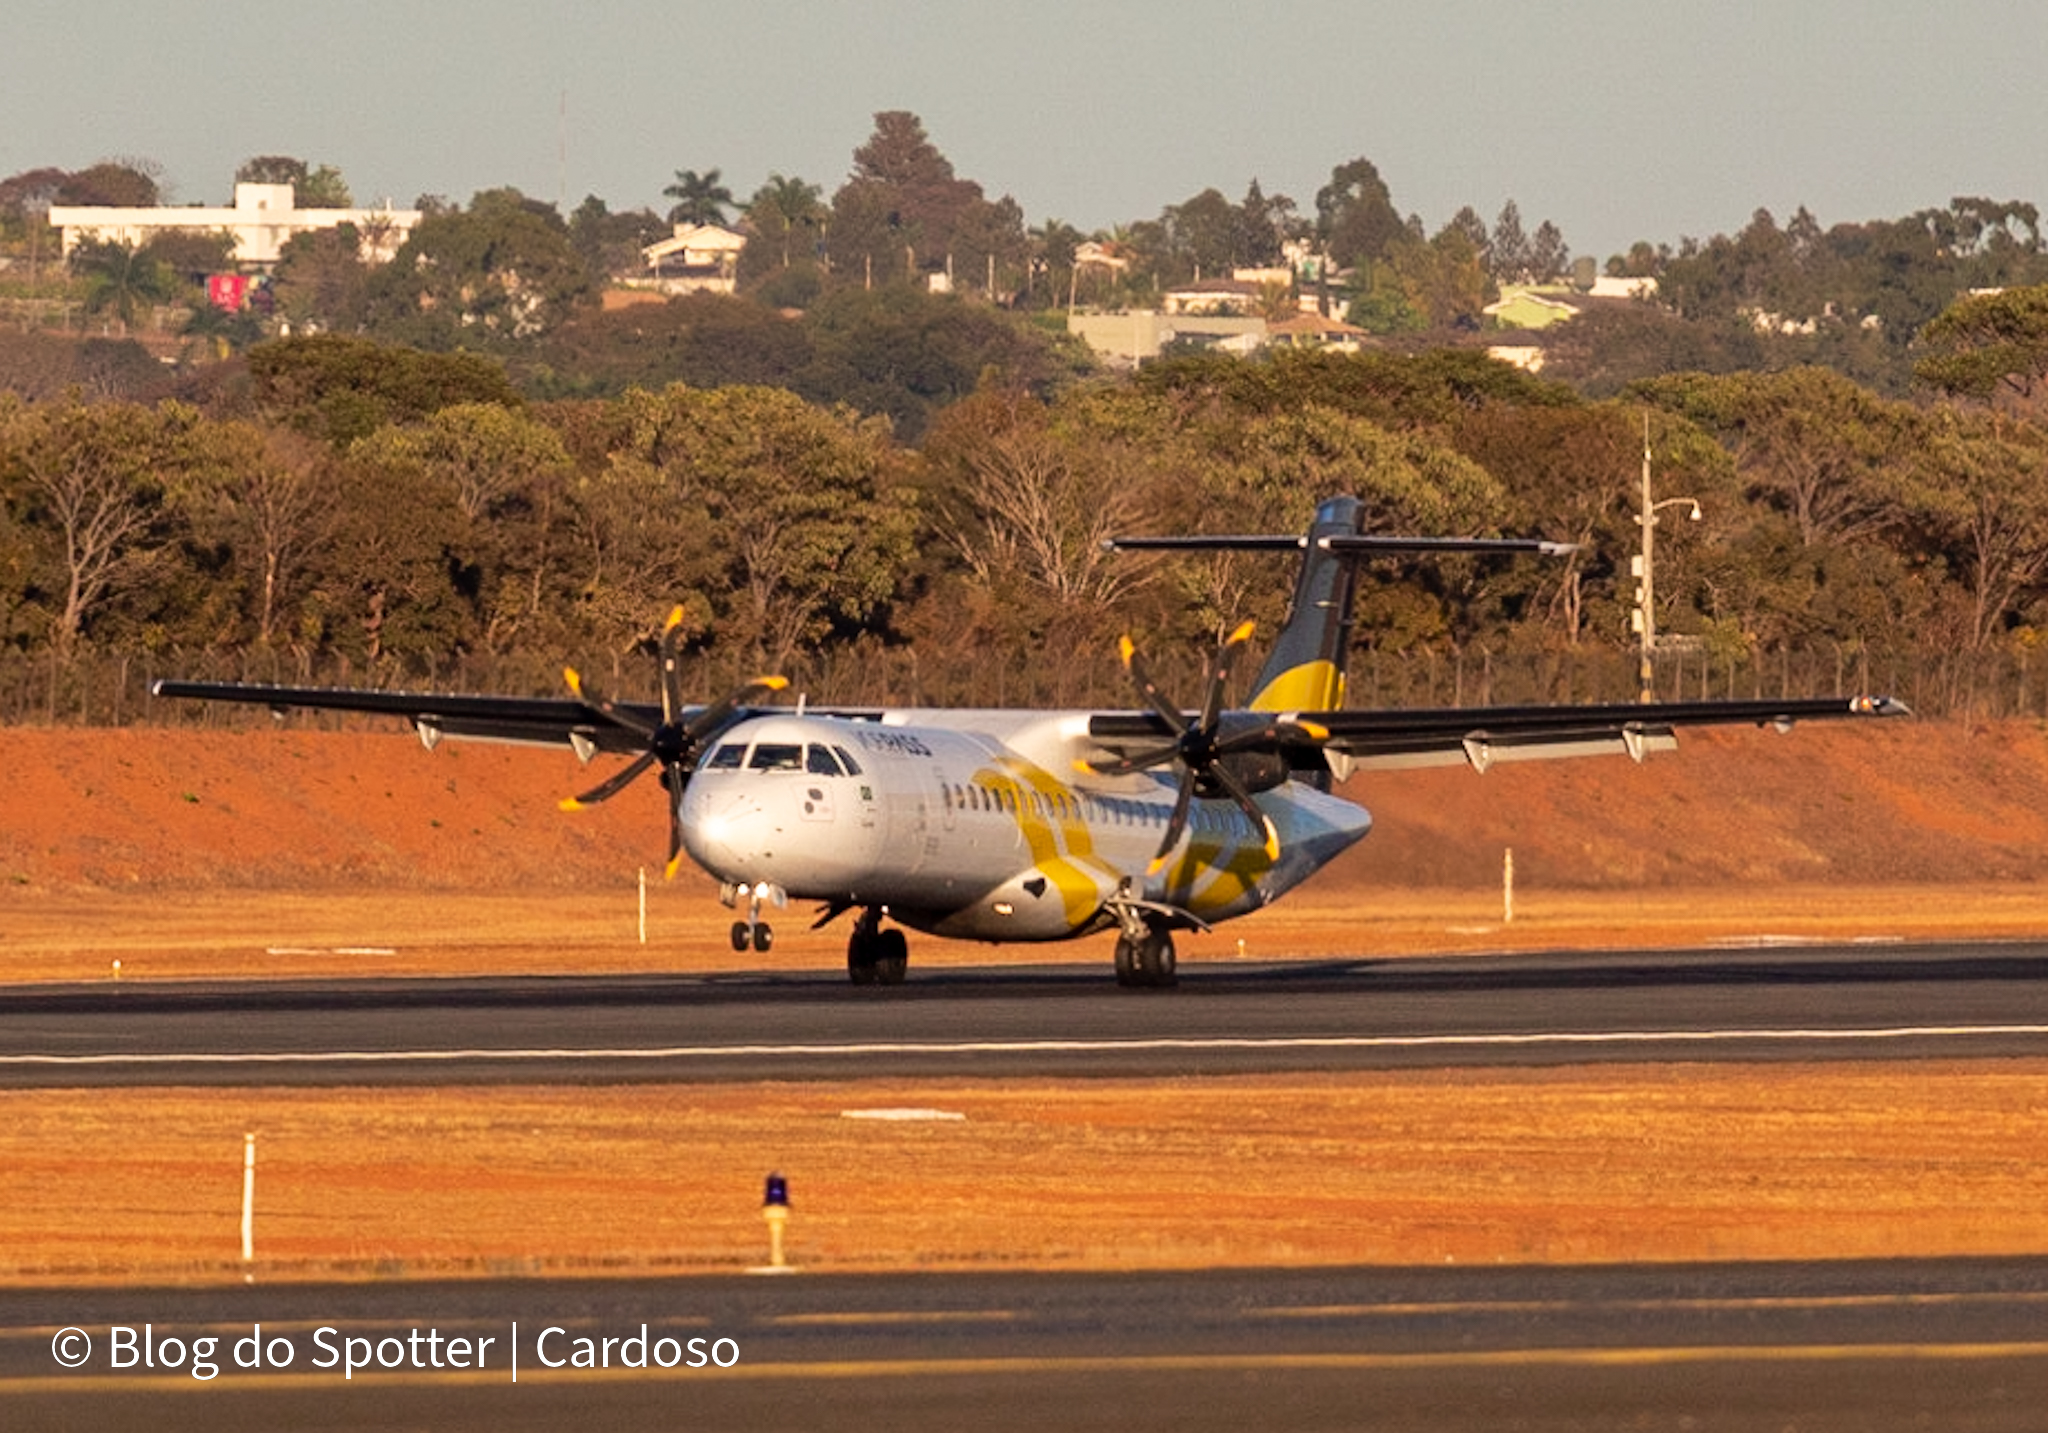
[[1617, 121]]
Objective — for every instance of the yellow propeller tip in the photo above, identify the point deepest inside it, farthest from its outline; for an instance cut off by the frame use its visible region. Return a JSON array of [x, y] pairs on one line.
[[773, 684], [569, 803], [676, 864], [1316, 730], [1126, 649], [1242, 634], [1158, 865], [1084, 768], [675, 619], [575, 682]]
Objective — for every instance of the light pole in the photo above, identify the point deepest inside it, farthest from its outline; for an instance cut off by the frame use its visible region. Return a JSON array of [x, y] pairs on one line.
[[1646, 574]]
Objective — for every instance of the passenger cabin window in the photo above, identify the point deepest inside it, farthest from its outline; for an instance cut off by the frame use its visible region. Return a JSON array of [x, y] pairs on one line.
[[776, 756]]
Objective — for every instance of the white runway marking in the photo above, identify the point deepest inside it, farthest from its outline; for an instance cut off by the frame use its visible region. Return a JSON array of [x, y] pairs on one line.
[[1564, 1039]]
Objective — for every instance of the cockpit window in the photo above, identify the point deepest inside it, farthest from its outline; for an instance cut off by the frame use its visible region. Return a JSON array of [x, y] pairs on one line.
[[726, 757], [846, 760], [819, 761], [776, 756]]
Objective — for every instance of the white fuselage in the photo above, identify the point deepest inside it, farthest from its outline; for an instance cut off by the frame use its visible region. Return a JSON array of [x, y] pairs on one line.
[[975, 824]]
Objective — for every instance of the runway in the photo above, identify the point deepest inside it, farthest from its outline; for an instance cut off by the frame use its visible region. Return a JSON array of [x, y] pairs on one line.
[[1807, 1003], [1952, 1344]]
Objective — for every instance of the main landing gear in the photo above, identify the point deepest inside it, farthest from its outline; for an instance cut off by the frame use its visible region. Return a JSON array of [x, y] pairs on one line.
[[1144, 958], [875, 956]]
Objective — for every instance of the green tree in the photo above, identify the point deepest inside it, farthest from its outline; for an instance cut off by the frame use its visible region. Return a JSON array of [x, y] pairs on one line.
[[904, 211], [787, 214], [339, 388], [93, 480], [805, 515], [114, 184], [122, 280], [1988, 343], [1987, 498], [700, 198], [508, 474], [324, 188], [267, 500], [322, 282], [503, 269], [1355, 215], [271, 169]]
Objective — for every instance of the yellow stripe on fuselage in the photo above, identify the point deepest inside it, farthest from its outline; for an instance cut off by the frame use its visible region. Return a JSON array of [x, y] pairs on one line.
[[1062, 847]]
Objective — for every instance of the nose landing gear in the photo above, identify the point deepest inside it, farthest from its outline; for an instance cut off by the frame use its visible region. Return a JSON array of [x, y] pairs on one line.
[[753, 932]]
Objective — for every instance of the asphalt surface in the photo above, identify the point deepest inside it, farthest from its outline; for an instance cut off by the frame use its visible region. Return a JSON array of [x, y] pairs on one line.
[[1808, 1003], [1955, 1345]]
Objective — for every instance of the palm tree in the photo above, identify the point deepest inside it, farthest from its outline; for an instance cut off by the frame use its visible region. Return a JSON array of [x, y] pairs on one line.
[[784, 204], [700, 198], [122, 278]]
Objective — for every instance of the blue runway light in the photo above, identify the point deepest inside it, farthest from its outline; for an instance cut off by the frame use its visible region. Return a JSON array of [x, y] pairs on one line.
[[777, 1196]]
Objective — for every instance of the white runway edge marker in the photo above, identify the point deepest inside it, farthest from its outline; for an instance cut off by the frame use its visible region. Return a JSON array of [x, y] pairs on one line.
[[330, 950], [901, 1114], [248, 1207]]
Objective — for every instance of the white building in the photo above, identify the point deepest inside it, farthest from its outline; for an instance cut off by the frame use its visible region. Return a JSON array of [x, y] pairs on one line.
[[696, 258], [264, 218]]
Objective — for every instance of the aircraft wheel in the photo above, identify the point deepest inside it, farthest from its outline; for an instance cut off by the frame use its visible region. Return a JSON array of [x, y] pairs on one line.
[[1126, 961], [1157, 962], [742, 937], [764, 938], [892, 957], [860, 960]]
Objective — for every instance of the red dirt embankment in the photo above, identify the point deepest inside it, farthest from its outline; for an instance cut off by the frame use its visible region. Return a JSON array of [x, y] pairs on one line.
[[1860, 803]]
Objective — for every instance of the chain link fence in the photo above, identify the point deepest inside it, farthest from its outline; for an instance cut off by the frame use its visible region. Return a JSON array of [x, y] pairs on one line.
[[102, 689]]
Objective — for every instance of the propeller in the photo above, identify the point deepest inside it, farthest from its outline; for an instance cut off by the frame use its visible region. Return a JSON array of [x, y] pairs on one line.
[[673, 743], [1202, 748]]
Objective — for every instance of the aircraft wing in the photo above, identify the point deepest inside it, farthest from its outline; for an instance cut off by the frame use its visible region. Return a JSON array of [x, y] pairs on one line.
[[1482, 736], [541, 721]]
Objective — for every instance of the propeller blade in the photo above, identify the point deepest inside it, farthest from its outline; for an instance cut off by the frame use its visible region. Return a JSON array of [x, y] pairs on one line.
[[717, 714], [675, 837], [671, 678], [1259, 819], [1149, 690], [606, 790], [1176, 823], [1219, 676], [604, 705], [1137, 761], [1279, 733]]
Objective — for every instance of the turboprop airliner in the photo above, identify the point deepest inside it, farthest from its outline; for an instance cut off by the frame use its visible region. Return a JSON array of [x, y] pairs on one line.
[[1032, 825]]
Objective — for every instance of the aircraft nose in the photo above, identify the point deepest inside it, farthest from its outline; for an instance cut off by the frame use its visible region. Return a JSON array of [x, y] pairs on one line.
[[730, 834]]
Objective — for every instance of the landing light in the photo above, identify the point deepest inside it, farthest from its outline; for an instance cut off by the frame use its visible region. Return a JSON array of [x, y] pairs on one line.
[[1004, 908]]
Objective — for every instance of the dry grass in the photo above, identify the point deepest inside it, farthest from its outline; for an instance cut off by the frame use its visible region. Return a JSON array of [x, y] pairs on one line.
[[1648, 1163], [156, 935]]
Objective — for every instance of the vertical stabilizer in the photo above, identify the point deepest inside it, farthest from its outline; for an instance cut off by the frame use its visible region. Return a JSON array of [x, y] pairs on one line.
[[1305, 671]]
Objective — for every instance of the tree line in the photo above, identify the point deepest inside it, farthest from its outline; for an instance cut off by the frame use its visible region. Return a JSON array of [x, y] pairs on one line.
[[397, 509]]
